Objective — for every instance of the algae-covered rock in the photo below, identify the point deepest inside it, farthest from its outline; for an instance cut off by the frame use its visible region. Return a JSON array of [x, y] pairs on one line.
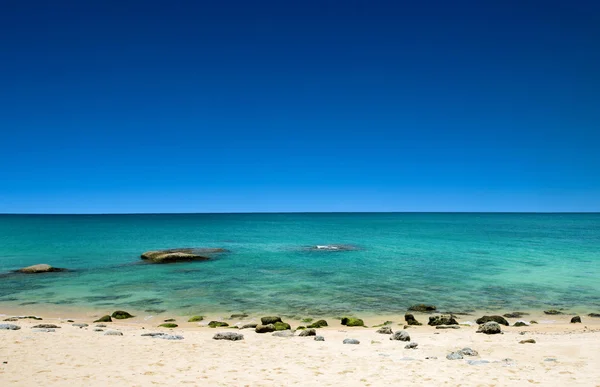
[[301, 327], [521, 323], [281, 326], [168, 325], [196, 318], [575, 319], [318, 324], [180, 255], [41, 268], [411, 320], [308, 332], [352, 322], [121, 315], [251, 325], [385, 330], [238, 316], [498, 319], [490, 328], [215, 324], [104, 319], [170, 320], [553, 312], [515, 314], [401, 336], [265, 328], [444, 319], [422, 308], [270, 320]]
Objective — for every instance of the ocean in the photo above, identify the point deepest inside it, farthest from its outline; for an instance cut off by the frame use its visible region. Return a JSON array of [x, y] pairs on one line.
[[459, 262]]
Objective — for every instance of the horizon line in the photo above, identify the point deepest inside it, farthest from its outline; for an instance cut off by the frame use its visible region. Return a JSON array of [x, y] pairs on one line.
[[295, 212]]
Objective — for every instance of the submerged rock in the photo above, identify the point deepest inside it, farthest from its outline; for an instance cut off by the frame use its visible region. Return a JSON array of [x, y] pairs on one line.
[[196, 318], [444, 319], [553, 312], [575, 319], [270, 320], [238, 316], [498, 319], [490, 328], [281, 326], [308, 332], [180, 255], [318, 324], [352, 322], [515, 314], [401, 336], [351, 341], [11, 327], [411, 320], [121, 315], [232, 336], [265, 328], [217, 324], [594, 315], [422, 308], [41, 268], [385, 330]]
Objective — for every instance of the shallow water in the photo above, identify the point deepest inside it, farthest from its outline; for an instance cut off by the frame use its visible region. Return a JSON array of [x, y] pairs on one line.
[[459, 262]]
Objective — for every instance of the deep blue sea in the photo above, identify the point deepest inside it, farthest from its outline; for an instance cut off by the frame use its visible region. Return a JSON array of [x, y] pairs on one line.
[[459, 262]]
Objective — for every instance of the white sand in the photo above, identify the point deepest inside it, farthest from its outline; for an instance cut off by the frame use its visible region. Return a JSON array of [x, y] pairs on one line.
[[71, 356]]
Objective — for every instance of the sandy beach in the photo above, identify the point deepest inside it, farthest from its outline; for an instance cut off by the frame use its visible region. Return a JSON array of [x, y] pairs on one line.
[[564, 354]]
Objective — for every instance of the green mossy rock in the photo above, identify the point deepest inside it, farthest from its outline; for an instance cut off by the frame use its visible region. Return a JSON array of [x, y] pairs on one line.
[[281, 326], [270, 320], [104, 319], [168, 325], [318, 324], [301, 328], [422, 308], [196, 318], [170, 320], [352, 322], [121, 315], [216, 324], [307, 320]]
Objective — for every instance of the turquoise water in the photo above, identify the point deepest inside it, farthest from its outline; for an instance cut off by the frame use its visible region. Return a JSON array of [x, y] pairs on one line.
[[458, 262]]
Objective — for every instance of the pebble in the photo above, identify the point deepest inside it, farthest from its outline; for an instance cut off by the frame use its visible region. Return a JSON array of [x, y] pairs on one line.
[[319, 338], [100, 326], [232, 336], [351, 341], [454, 356], [411, 345], [11, 327], [80, 325], [44, 330], [468, 352], [98, 330], [113, 333]]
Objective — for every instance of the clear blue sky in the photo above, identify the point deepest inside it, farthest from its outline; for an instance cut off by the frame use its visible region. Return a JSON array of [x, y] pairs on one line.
[[212, 106]]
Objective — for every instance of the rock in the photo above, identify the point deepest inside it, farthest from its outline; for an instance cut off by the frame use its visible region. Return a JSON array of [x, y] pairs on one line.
[[308, 332], [232, 336], [528, 341], [98, 330], [318, 324], [170, 320], [281, 326], [153, 334], [301, 327], [104, 319], [411, 320], [490, 328], [533, 322], [45, 330], [11, 319], [265, 328], [401, 336], [41, 268], [575, 319], [238, 316], [411, 345], [385, 330], [447, 327], [121, 315], [287, 333], [515, 314], [444, 319], [498, 319], [169, 337], [180, 255], [594, 315], [319, 338], [468, 352], [352, 322], [553, 312], [113, 333], [351, 341], [270, 320], [217, 324], [521, 323], [252, 325], [454, 356], [422, 308], [41, 326], [196, 318], [100, 326], [169, 325], [80, 325]]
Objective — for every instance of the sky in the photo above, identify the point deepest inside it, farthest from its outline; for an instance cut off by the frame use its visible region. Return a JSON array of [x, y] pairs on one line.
[[254, 106]]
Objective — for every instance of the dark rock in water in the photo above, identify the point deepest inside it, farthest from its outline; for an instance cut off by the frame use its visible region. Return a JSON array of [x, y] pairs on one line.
[[121, 315], [401, 336], [196, 318], [468, 352], [287, 333], [113, 333], [422, 308], [594, 315], [180, 255], [351, 341], [318, 324], [168, 325], [232, 336], [490, 328], [11, 327], [454, 356], [528, 341], [352, 322], [515, 314], [41, 268], [411, 345], [498, 319], [576, 319], [45, 326], [265, 328], [308, 332], [553, 312], [33, 318], [443, 319], [333, 248], [238, 315], [411, 320], [252, 325], [104, 319], [385, 330], [319, 338], [281, 326], [216, 324], [170, 320], [270, 320], [80, 325]]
